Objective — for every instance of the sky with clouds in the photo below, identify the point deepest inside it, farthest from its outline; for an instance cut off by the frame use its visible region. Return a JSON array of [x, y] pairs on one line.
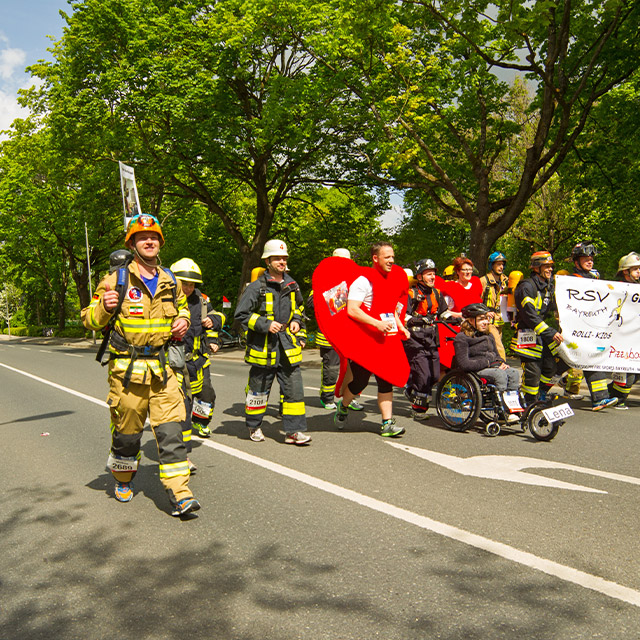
[[24, 27]]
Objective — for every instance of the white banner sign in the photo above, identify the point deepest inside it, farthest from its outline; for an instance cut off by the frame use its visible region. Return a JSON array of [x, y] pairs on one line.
[[130, 200], [600, 322]]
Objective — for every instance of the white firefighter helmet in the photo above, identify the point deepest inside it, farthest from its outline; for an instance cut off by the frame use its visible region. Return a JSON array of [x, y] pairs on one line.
[[274, 248], [629, 261], [342, 253], [187, 270]]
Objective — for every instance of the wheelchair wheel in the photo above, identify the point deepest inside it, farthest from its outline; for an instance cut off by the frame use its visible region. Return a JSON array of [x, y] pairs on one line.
[[492, 429], [540, 427], [458, 400]]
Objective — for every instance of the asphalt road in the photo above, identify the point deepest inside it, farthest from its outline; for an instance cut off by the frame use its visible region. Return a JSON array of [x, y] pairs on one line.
[[446, 535]]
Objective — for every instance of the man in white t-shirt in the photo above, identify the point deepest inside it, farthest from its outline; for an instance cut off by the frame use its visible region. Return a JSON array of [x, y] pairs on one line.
[[359, 301]]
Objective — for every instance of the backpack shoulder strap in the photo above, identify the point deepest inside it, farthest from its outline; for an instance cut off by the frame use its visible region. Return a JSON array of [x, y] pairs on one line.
[[175, 285], [122, 284]]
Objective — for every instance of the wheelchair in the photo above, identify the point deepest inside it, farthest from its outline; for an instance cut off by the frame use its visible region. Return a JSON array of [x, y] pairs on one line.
[[463, 399]]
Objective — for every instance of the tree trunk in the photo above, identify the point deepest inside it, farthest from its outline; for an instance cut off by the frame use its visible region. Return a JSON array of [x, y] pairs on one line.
[[480, 244], [81, 279], [62, 314]]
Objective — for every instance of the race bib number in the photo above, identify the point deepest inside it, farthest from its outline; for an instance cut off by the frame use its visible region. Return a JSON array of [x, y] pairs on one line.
[[256, 400], [390, 317], [122, 464], [512, 401], [526, 337], [617, 376], [202, 409]]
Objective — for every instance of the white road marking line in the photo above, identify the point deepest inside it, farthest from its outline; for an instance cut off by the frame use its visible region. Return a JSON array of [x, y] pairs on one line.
[[56, 386], [218, 375], [72, 355], [26, 348], [563, 572], [45, 351], [362, 395]]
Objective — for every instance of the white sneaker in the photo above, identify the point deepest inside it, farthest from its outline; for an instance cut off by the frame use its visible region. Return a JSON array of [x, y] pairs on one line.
[[512, 417], [297, 437], [419, 415], [256, 435], [355, 405], [329, 406]]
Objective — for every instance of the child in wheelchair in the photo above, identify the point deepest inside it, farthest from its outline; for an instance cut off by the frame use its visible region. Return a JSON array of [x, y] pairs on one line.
[[476, 351]]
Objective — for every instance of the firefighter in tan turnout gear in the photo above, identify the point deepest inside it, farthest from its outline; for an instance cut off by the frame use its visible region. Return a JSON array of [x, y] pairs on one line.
[[271, 311], [143, 308]]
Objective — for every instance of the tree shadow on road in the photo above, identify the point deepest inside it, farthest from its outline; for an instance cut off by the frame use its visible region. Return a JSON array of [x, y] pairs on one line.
[[70, 570], [40, 416]]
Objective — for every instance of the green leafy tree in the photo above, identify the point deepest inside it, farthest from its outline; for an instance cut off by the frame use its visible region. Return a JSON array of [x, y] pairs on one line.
[[45, 201], [433, 77], [214, 100]]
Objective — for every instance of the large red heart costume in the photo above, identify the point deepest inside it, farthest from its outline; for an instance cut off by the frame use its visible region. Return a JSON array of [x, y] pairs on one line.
[[379, 353]]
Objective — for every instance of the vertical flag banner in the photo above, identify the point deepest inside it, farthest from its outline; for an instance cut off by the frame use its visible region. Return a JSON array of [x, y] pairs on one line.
[[130, 200], [600, 323]]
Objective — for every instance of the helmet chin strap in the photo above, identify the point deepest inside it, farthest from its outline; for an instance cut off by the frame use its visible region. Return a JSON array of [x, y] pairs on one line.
[[157, 262]]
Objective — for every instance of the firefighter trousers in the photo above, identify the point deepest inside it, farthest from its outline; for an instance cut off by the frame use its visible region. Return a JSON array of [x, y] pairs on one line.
[[538, 373], [620, 386], [290, 381], [597, 383], [164, 405], [424, 373], [329, 375]]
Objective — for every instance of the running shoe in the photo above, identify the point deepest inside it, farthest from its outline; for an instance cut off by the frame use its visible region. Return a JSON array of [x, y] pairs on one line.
[[329, 406], [256, 435], [201, 429], [419, 415], [340, 416], [355, 405], [603, 404], [621, 406], [390, 429], [124, 491], [192, 467], [184, 506], [298, 437]]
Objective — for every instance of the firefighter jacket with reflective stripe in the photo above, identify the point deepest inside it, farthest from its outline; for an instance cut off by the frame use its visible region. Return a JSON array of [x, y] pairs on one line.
[[321, 340], [534, 298], [493, 289], [143, 322], [197, 338], [263, 302], [425, 305]]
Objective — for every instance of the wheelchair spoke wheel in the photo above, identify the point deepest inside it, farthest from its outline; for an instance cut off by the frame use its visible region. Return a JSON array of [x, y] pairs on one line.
[[458, 400]]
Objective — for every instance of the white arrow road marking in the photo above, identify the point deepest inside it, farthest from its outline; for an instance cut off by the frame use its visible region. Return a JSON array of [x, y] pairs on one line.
[[509, 468]]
